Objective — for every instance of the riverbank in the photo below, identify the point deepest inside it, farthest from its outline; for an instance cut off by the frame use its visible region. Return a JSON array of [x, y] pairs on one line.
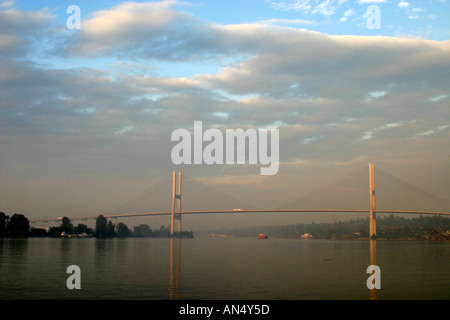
[[388, 228]]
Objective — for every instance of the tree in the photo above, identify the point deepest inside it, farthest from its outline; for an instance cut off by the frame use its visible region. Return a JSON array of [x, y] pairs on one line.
[[66, 225], [164, 231], [101, 226], [110, 229], [81, 228], [145, 230], [122, 230], [55, 231], [18, 226], [3, 221]]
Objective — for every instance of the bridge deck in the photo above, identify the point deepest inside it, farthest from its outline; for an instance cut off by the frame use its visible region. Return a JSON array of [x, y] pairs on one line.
[[129, 215]]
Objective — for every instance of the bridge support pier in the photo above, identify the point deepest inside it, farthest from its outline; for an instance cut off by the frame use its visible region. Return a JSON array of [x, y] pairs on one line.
[[176, 197], [373, 219]]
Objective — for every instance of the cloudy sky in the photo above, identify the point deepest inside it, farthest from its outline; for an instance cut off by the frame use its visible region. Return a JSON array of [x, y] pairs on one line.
[[86, 114]]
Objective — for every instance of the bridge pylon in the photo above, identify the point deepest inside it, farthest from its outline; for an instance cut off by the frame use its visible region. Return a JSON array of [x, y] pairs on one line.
[[176, 197], [373, 219]]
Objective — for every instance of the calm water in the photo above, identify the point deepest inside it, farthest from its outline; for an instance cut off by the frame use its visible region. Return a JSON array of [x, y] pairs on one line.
[[221, 268]]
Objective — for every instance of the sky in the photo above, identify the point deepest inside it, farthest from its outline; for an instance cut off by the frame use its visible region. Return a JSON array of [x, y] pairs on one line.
[[86, 114]]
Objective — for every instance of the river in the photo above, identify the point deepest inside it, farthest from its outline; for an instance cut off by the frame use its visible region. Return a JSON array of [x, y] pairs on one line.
[[222, 268]]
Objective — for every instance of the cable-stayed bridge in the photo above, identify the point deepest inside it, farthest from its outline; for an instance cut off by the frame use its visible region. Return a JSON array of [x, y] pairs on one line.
[[354, 193]]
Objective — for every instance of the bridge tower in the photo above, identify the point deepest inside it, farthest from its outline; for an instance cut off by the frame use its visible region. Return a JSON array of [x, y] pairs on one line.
[[176, 197], [373, 219]]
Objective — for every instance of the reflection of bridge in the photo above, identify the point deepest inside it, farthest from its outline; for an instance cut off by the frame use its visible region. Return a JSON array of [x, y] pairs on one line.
[[177, 214]]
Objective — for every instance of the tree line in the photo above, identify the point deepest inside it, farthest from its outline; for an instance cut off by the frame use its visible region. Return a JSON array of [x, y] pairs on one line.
[[388, 227], [104, 229], [18, 226]]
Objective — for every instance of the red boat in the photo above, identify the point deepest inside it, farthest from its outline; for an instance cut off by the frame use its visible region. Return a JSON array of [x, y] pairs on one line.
[[262, 236]]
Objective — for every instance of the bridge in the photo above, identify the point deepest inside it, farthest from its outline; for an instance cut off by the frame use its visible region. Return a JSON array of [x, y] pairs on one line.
[[176, 212]]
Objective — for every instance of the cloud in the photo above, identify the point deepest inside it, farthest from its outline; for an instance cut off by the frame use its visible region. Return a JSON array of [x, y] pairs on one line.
[[287, 75], [370, 134], [299, 5], [19, 29], [327, 8], [439, 98], [7, 4], [425, 133], [311, 64], [289, 21], [156, 31], [349, 12], [149, 30], [415, 13], [371, 1]]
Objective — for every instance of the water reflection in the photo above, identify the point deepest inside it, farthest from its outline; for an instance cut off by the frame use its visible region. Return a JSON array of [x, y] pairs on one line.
[[175, 265], [14, 249], [373, 261]]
